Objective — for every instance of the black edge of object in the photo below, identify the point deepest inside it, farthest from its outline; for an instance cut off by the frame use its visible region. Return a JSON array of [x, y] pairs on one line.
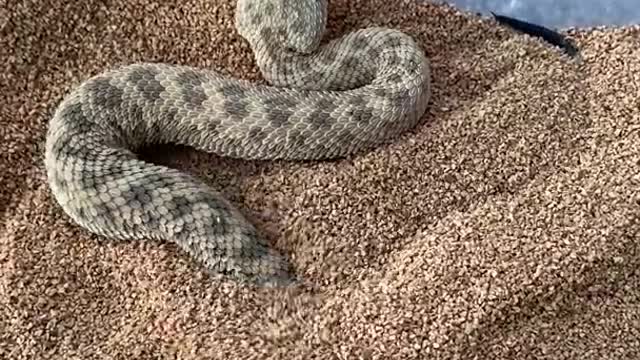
[[547, 34]]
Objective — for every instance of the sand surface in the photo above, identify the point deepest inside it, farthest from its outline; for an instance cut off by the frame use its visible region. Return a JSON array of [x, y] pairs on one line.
[[505, 226]]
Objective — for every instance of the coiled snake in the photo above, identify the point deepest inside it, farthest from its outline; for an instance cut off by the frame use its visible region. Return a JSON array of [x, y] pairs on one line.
[[324, 101]]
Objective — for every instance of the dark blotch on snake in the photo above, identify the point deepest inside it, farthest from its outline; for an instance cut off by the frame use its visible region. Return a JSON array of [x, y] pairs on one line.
[[103, 215], [235, 102], [190, 85], [78, 124], [233, 91], [320, 119], [394, 78], [144, 78], [393, 60], [359, 43], [268, 9], [297, 26], [364, 117], [279, 102], [236, 108], [102, 209], [344, 139], [380, 92], [360, 117], [351, 65], [212, 128], [326, 105], [278, 110], [315, 77], [256, 18], [177, 206], [267, 34], [60, 181], [104, 94], [88, 182], [257, 134], [193, 96], [410, 66], [281, 34], [392, 42], [190, 77], [61, 146], [133, 112], [373, 53], [357, 100], [75, 119], [278, 116], [156, 126], [329, 56], [295, 138], [399, 98], [81, 212], [139, 193]]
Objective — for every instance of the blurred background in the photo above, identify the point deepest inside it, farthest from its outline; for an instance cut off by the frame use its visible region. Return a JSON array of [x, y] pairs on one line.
[[558, 14]]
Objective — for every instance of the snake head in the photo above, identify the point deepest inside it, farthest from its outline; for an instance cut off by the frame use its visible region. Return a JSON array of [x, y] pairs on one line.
[[294, 25]]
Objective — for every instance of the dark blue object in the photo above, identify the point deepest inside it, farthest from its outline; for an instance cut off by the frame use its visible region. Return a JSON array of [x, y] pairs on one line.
[[546, 34]]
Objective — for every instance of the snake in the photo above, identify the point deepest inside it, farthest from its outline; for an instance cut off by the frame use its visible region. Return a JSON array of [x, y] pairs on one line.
[[319, 100]]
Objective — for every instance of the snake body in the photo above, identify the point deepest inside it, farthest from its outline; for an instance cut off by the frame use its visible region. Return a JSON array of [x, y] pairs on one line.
[[323, 101]]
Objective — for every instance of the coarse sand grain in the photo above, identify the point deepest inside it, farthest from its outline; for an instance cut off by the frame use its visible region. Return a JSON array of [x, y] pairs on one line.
[[505, 226]]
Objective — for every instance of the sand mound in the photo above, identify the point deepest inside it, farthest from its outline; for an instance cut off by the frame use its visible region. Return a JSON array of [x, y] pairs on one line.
[[505, 226]]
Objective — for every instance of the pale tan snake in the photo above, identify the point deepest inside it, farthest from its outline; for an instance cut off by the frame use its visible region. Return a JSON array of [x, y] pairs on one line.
[[325, 102]]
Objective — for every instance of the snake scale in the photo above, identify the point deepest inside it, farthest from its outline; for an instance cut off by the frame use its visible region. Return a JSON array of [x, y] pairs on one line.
[[322, 101]]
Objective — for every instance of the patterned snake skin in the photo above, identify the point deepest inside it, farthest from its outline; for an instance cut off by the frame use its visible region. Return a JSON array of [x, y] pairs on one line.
[[324, 101]]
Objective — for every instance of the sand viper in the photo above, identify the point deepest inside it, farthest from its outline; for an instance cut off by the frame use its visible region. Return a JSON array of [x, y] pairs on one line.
[[324, 100]]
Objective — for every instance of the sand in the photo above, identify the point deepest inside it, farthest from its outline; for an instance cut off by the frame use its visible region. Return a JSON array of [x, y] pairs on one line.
[[505, 226]]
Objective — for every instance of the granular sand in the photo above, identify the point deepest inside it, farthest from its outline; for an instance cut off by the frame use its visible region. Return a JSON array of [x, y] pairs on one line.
[[505, 226]]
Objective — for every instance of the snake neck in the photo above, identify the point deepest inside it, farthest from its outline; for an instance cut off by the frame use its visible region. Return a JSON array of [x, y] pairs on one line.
[[296, 25]]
